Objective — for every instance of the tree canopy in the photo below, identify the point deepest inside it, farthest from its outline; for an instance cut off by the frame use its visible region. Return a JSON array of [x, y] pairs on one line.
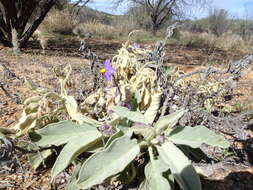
[[161, 11], [20, 18]]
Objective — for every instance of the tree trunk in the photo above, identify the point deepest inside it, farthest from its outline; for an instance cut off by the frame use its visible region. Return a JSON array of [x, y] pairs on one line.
[[14, 19], [28, 33], [154, 29], [15, 41], [154, 23]]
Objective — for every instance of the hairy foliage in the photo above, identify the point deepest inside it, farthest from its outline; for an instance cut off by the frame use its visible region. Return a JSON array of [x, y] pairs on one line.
[[141, 108]]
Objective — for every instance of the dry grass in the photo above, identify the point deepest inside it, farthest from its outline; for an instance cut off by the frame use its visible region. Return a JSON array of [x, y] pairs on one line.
[[58, 22], [124, 25], [227, 41], [230, 41], [95, 28], [197, 39]]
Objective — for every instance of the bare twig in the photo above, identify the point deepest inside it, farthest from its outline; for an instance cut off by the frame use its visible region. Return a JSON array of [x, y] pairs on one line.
[[26, 151], [7, 72]]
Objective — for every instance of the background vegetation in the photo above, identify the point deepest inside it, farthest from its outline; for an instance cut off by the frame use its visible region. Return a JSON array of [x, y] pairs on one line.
[[159, 78], [217, 31]]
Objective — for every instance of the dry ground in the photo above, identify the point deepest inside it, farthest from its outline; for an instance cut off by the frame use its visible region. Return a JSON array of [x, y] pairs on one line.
[[38, 67]]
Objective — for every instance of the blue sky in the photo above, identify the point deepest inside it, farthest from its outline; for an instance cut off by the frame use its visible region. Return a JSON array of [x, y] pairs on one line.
[[236, 8]]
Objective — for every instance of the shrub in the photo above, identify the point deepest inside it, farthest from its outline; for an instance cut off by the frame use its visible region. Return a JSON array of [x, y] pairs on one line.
[[95, 28], [124, 118], [197, 39], [230, 41], [227, 41], [218, 21], [58, 21]]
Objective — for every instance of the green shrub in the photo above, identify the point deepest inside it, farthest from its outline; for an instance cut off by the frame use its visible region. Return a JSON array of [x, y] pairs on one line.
[[117, 123]]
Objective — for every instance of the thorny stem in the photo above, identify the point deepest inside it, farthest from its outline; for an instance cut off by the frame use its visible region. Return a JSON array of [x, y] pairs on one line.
[[8, 94], [117, 85], [5, 91], [9, 74]]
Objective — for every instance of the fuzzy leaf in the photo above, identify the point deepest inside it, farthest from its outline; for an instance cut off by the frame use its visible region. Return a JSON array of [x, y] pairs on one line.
[[180, 166], [73, 148], [7, 131], [60, 133], [72, 184], [151, 112], [196, 136], [154, 176], [147, 132], [31, 108], [75, 114], [109, 162], [131, 115], [36, 159], [33, 99], [116, 135], [168, 121], [26, 122]]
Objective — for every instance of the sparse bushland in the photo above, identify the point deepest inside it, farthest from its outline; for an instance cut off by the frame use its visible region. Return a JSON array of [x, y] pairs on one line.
[[61, 22], [143, 118], [197, 33], [227, 41]]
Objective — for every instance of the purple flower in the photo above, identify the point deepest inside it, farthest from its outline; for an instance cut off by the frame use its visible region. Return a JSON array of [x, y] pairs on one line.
[[106, 130], [139, 124], [135, 45], [126, 105], [161, 139], [108, 69]]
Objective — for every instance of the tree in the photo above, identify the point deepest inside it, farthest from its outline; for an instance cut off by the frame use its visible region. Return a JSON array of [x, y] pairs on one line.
[[140, 17], [20, 18], [246, 24], [218, 21], [160, 11]]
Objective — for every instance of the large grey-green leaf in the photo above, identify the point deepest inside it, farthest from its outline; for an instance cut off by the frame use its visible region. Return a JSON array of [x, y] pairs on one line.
[[116, 135], [36, 159], [154, 176], [147, 132], [72, 183], [124, 126], [154, 179], [109, 162], [73, 148], [180, 166], [168, 121], [131, 115], [60, 133], [195, 136]]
